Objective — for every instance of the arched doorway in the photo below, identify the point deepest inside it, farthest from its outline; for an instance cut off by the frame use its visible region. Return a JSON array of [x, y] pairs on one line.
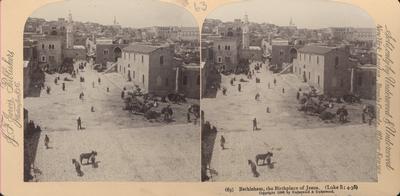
[[117, 53], [293, 54]]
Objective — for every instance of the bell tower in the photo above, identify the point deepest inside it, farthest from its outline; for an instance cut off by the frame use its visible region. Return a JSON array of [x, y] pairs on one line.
[[70, 31], [245, 33]]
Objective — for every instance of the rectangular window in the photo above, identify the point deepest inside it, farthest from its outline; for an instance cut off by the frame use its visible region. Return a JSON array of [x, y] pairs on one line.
[[318, 80], [219, 60], [142, 59], [105, 51], [161, 60], [184, 81]]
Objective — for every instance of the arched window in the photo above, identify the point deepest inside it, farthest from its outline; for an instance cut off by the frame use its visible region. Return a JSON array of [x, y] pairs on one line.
[[161, 60], [336, 62], [184, 81]]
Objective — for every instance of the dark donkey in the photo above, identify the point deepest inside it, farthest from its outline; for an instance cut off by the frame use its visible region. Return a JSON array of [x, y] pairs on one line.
[[87, 156], [264, 157]]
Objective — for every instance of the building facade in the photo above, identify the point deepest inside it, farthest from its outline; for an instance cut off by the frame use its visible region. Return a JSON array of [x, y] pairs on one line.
[[225, 53], [152, 68], [364, 81], [108, 53], [325, 68], [49, 50]]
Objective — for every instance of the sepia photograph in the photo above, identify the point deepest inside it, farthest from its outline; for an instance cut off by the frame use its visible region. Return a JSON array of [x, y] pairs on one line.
[[289, 92], [111, 92]]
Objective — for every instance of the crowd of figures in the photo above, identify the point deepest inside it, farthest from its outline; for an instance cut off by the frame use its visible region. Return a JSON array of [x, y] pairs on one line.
[[147, 105]]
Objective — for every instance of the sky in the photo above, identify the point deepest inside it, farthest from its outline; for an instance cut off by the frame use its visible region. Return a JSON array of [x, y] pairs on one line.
[[129, 13], [305, 13]]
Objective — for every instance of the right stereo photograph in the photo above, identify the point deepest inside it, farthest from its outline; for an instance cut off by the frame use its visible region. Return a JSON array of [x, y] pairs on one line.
[[288, 92]]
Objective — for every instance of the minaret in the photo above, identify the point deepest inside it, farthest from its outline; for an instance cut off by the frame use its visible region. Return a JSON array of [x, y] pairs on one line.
[[70, 33], [245, 33], [291, 23]]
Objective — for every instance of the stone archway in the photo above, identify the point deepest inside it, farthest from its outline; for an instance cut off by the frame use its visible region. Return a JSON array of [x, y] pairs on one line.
[[117, 53], [293, 54]]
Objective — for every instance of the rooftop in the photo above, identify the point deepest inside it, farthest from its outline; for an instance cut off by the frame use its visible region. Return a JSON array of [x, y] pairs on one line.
[[141, 48], [316, 49]]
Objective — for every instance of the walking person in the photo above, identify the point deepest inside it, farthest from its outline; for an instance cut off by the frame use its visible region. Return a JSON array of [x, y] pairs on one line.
[[222, 142], [123, 94], [253, 168], [98, 80], [274, 81], [239, 87], [46, 141], [79, 123]]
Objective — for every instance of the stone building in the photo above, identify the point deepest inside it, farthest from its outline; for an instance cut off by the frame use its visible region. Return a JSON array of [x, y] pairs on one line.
[[282, 54], [108, 53], [76, 52], [188, 33], [364, 81], [49, 50], [325, 68], [151, 67], [225, 53], [189, 83]]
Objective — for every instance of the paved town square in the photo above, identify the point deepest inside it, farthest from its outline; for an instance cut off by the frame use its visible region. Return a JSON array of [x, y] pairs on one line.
[[129, 147], [304, 147]]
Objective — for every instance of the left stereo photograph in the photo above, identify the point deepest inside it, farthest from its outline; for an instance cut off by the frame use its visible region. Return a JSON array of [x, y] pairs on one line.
[[111, 92]]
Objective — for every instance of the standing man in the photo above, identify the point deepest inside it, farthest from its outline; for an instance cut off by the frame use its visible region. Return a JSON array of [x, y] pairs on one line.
[[98, 80], [298, 95], [275, 81], [239, 87], [46, 141], [255, 124], [79, 123], [222, 142], [63, 86]]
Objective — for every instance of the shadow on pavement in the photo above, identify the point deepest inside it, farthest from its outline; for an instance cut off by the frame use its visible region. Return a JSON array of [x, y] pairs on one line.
[[209, 133], [31, 141]]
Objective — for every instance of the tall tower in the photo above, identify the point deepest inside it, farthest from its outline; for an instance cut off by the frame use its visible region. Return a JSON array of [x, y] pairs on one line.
[[245, 33], [70, 31], [291, 23]]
